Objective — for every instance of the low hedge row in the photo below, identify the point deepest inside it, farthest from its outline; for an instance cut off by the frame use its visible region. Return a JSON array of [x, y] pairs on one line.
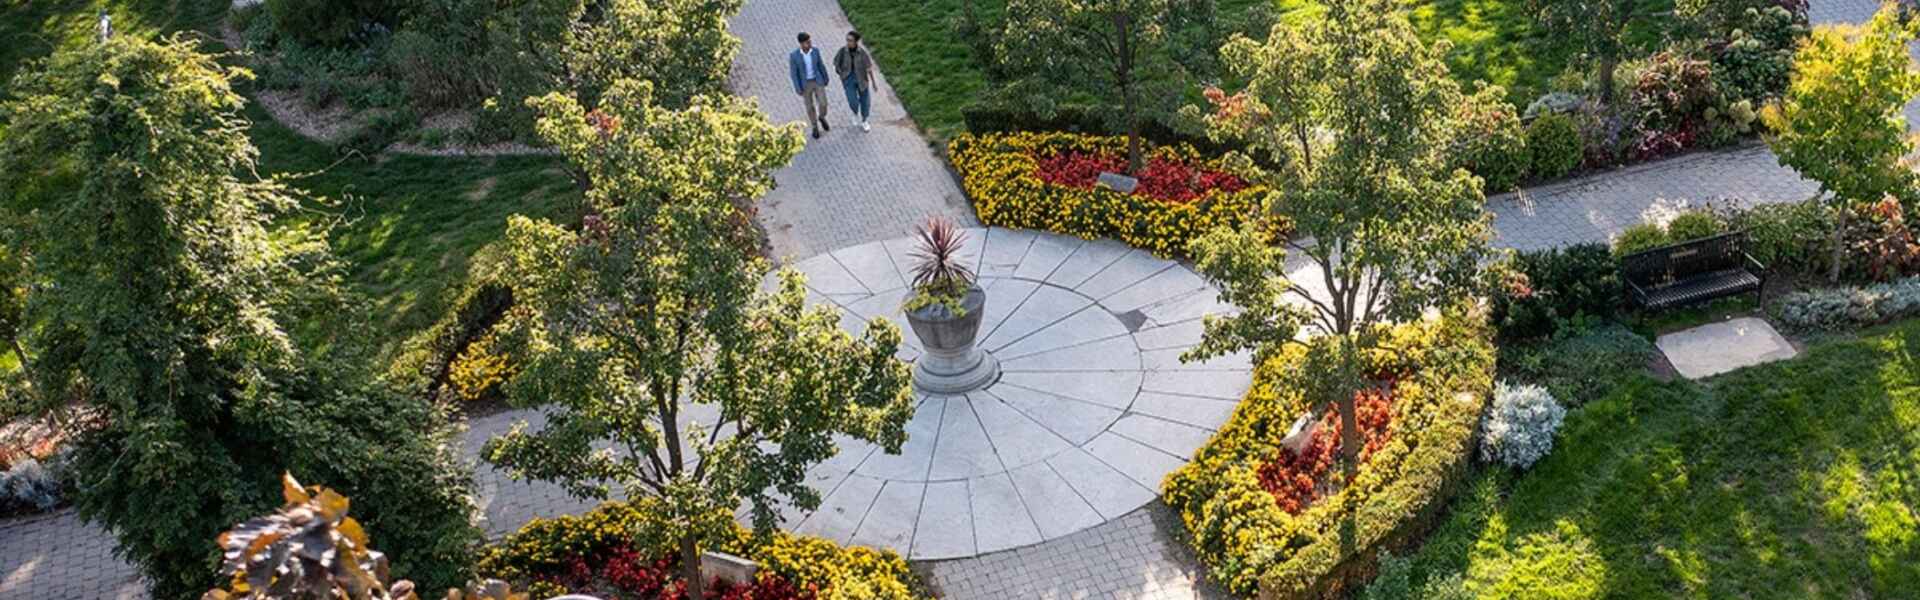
[[543, 551], [998, 172], [425, 364], [1250, 545]]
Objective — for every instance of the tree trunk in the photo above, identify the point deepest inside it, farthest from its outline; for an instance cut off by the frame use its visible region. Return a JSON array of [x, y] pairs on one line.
[[690, 568], [1123, 75], [1839, 251], [20, 353], [1607, 68], [1349, 437]]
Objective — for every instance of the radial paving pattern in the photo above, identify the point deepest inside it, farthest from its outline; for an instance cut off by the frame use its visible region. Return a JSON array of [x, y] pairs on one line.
[[1094, 406]]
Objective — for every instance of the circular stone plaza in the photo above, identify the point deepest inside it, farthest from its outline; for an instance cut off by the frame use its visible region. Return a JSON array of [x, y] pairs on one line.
[[1092, 408]]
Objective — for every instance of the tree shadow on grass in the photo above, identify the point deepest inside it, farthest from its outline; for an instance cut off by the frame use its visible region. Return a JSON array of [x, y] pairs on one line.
[[1788, 480]]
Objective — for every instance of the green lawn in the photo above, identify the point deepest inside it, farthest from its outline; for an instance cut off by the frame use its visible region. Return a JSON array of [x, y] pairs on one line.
[[407, 225], [1799, 479], [33, 28], [935, 75]]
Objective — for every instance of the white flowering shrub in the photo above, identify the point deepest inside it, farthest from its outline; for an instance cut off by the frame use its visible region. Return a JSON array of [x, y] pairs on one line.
[[1519, 426], [1834, 308], [27, 487]]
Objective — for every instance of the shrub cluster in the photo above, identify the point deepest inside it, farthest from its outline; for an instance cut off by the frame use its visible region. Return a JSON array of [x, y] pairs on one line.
[[1578, 364], [629, 541], [1701, 91], [1518, 428], [1493, 144], [1793, 237], [1554, 288], [1003, 175], [28, 487], [1251, 545], [1688, 226], [1849, 306]]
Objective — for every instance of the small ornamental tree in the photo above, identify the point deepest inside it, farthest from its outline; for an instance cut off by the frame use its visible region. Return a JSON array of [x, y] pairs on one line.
[[1115, 53], [663, 371], [1389, 228], [161, 306], [1841, 121], [1598, 28]]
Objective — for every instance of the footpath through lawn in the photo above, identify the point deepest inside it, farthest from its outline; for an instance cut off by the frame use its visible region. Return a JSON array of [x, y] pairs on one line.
[[1798, 479]]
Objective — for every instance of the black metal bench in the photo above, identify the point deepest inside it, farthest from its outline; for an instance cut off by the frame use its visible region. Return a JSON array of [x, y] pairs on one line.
[[1693, 271]]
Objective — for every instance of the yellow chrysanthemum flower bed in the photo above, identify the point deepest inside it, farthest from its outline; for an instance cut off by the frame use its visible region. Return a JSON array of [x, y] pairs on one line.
[[540, 555], [1000, 173], [1250, 545]]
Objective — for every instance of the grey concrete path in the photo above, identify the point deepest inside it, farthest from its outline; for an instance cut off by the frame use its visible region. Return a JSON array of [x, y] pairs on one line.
[[848, 187]]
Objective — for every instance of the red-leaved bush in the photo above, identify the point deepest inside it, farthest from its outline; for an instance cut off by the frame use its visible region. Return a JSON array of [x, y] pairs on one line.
[[1162, 178], [1298, 480]]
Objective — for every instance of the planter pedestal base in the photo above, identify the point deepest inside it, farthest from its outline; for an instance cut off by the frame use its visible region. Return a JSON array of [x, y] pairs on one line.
[[955, 372]]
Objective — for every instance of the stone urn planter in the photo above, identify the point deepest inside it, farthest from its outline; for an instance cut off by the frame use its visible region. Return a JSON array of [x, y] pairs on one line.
[[953, 362]]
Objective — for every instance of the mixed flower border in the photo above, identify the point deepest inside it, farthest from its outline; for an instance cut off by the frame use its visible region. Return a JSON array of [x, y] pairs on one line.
[[1022, 180], [625, 550], [1258, 535]]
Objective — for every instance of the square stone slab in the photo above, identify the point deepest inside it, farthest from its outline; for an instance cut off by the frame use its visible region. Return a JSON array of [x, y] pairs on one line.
[[1716, 348]]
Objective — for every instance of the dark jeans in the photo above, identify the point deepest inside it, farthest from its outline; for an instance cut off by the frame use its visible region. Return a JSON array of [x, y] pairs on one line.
[[859, 98]]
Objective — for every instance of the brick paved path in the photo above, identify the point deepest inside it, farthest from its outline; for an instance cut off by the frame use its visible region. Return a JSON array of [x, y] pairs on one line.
[[1594, 209], [848, 187]]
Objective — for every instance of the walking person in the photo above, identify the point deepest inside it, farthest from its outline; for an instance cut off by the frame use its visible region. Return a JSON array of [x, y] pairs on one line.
[[855, 68], [809, 73]]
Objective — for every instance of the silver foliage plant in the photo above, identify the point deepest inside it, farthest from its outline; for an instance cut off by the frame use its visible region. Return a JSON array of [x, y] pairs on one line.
[[1841, 307], [1519, 427]]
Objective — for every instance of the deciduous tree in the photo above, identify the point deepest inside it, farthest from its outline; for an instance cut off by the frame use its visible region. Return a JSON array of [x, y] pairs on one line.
[[159, 305], [1841, 121], [663, 370], [1599, 28], [1361, 115], [1116, 54]]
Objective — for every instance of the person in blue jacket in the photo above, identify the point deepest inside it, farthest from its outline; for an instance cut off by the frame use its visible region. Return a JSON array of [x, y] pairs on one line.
[[809, 73]]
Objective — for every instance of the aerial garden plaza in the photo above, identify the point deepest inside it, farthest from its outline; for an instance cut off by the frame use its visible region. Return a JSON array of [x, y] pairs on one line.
[[960, 299]]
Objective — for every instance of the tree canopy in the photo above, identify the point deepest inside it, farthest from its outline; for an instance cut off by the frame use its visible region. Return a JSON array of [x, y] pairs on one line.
[[158, 314], [1360, 115], [664, 371], [1116, 54], [1841, 121]]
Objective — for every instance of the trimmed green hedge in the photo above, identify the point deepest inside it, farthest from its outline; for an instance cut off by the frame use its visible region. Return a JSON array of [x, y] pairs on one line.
[[1250, 545]]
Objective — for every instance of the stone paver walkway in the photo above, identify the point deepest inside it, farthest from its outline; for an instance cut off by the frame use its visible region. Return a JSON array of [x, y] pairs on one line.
[[849, 187], [1597, 208], [1092, 410], [1135, 557]]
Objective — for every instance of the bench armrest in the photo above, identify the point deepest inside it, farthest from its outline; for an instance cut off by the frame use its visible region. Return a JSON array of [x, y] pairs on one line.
[[1639, 294]]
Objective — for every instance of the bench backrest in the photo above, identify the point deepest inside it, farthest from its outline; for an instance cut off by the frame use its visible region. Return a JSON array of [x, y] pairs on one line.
[[1663, 265]]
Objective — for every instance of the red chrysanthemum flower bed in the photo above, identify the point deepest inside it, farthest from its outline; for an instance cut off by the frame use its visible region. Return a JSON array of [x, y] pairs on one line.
[[1296, 481], [1162, 178], [624, 573]]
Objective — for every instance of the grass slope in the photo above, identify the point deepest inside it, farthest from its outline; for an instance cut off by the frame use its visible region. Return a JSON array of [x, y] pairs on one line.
[[1798, 479], [407, 225], [34, 28], [932, 70]]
